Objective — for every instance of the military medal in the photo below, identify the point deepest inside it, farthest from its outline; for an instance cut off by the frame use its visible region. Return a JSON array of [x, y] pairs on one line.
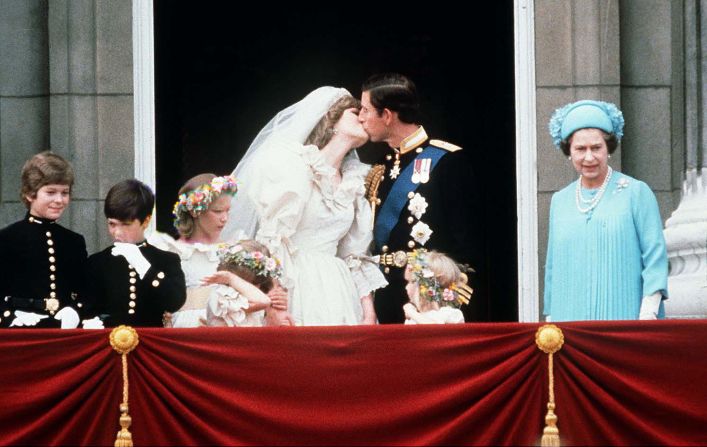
[[421, 170], [395, 170], [425, 171]]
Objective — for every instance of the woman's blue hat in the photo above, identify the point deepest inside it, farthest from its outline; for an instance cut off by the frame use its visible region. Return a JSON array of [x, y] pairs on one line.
[[586, 114]]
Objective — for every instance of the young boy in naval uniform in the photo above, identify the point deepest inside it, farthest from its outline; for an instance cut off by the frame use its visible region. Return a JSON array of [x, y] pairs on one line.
[[132, 282]]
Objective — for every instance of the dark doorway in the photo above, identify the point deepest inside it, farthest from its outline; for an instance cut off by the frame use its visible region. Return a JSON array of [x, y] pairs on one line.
[[223, 71]]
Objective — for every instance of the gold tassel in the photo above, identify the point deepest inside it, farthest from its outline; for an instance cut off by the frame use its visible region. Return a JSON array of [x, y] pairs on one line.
[[124, 339], [550, 339]]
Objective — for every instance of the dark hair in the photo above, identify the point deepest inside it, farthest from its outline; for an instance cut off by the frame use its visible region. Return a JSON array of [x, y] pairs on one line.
[[324, 130], [128, 200], [611, 142], [395, 92], [264, 283], [45, 168], [184, 222]]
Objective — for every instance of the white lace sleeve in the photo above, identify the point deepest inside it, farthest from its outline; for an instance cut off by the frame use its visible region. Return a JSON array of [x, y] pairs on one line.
[[226, 307], [354, 247], [279, 189]]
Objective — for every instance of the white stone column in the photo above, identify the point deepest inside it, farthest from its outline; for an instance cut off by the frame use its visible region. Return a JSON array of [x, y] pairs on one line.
[[686, 230]]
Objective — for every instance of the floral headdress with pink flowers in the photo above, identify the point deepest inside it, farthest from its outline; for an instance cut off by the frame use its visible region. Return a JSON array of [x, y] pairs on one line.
[[196, 201], [454, 295], [255, 261]]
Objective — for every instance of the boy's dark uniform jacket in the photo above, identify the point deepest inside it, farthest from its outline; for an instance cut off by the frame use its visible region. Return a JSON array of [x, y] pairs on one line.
[[450, 214], [43, 270], [123, 298]]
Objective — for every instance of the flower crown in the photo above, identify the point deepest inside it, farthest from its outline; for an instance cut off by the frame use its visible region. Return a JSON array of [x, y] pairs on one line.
[[255, 261], [610, 110], [196, 201], [455, 295]]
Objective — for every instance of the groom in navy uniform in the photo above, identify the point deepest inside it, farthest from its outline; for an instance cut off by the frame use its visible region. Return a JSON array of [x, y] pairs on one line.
[[422, 192]]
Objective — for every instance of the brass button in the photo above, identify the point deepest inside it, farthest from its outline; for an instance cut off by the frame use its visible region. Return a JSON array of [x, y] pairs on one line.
[[131, 304], [387, 270], [52, 268], [50, 242], [52, 259], [49, 234], [155, 283], [160, 275], [418, 150], [51, 251], [6, 313], [52, 277], [52, 294], [411, 244], [133, 296], [388, 157], [132, 274], [385, 249], [52, 286], [411, 195], [133, 280], [132, 288], [410, 220], [131, 311], [79, 304]]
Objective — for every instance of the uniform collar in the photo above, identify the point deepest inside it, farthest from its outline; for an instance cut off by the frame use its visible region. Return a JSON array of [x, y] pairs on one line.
[[413, 140], [38, 220]]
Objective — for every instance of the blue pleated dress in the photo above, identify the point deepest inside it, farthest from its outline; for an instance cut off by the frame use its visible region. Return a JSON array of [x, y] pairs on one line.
[[600, 264]]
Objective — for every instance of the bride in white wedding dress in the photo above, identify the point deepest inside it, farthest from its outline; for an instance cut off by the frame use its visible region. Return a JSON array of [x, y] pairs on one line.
[[302, 194]]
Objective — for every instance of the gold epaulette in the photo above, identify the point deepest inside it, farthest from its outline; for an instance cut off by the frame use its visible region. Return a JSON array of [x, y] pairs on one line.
[[373, 180], [444, 145]]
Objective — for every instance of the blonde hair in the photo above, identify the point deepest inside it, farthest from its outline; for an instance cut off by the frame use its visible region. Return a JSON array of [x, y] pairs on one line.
[[324, 130], [264, 283], [445, 269], [185, 222], [45, 168], [446, 272]]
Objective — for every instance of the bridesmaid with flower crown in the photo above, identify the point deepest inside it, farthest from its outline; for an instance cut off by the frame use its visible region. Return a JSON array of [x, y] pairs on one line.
[[244, 276], [200, 214], [606, 257]]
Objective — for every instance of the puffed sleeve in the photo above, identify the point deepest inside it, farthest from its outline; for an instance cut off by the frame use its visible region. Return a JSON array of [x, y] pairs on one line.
[[226, 307], [279, 187], [354, 247], [649, 228]]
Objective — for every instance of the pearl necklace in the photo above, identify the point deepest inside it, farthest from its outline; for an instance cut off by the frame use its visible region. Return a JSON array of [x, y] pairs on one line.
[[595, 200]]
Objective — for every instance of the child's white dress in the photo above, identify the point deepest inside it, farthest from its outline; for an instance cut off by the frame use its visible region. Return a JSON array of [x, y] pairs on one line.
[[445, 315]]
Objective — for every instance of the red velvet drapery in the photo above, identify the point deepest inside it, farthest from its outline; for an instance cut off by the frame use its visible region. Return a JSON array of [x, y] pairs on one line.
[[615, 383]]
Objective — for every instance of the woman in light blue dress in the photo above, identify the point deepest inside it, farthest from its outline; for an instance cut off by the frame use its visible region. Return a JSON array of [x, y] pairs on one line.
[[606, 257]]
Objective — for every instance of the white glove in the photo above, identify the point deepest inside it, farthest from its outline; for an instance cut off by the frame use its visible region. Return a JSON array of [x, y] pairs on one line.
[[133, 255], [650, 305], [93, 323], [26, 318], [69, 318]]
